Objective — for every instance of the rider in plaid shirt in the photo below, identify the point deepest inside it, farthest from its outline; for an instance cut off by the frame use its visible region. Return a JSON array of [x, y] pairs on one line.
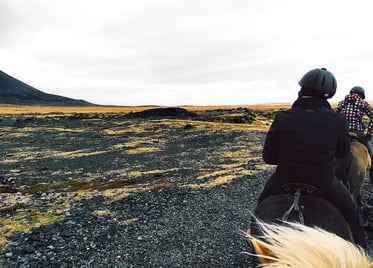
[[354, 107]]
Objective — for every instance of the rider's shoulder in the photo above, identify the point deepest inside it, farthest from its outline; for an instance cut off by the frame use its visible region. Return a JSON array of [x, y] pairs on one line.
[[365, 104]]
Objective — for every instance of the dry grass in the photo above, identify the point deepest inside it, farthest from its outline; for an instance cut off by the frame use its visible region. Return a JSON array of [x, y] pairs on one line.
[[25, 109], [20, 109], [134, 137]]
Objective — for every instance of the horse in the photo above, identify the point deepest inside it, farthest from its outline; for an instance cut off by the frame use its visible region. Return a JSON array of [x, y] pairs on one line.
[[293, 245], [360, 163], [300, 203]]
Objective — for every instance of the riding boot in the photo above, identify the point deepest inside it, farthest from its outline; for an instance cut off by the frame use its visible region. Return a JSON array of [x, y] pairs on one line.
[[338, 195], [357, 227], [369, 147], [366, 142], [358, 234]]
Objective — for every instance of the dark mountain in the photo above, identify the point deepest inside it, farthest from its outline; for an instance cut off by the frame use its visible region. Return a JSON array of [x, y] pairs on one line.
[[14, 91]]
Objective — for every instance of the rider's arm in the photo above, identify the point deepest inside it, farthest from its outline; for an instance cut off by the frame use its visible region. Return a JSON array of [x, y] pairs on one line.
[[368, 110], [339, 107], [344, 142], [270, 149]]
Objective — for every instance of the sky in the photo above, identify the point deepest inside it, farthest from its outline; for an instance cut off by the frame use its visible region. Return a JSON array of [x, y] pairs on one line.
[[185, 52]]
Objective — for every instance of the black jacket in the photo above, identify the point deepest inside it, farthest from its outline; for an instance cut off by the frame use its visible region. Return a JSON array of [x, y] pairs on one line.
[[304, 141]]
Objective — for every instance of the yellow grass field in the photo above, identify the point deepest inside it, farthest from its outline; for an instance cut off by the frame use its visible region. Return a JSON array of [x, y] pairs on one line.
[[20, 109]]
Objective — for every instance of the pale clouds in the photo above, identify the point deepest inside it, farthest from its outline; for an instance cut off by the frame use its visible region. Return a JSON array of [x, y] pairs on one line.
[[170, 52]]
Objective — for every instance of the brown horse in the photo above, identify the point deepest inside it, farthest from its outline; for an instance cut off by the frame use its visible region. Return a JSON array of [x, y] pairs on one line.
[[359, 165]]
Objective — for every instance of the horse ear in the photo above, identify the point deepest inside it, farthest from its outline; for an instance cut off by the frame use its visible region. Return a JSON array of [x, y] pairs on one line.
[[262, 251]]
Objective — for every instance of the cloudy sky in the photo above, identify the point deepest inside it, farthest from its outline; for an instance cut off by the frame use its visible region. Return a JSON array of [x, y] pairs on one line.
[[185, 52]]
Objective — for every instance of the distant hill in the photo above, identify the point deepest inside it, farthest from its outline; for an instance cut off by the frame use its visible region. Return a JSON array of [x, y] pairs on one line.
[[14, 91]]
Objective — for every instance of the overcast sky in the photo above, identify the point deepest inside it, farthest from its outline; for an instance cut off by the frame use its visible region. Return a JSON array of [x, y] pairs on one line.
[[185, 52]]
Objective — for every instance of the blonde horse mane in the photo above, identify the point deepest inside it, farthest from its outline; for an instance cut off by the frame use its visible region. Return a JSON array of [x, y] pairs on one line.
[[295, 245]]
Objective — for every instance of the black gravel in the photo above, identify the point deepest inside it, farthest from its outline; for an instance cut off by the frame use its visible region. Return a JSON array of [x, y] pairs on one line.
[[170, 227], [176, 227]]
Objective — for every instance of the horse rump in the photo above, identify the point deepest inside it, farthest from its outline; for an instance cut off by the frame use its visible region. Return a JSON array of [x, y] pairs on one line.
[[316, 212]]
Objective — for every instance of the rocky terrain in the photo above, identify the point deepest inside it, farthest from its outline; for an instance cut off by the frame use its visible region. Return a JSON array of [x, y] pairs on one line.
[[159, 188]]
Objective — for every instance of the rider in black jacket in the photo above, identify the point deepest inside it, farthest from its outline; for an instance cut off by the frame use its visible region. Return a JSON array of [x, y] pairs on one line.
[[305, 141]]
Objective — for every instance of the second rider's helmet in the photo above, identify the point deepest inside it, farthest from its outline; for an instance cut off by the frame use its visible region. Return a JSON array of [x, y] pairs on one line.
[[359, 91], [319, 82]]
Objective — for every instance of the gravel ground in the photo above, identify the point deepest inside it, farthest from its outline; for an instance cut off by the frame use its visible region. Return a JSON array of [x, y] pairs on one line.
[[179, 206], [175, 228]]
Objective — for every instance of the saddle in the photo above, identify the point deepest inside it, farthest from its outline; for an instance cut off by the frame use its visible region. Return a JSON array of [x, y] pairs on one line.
[[296, 189], [353, 136]]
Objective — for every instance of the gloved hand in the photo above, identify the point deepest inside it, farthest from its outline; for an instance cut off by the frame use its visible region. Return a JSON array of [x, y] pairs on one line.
[[368, 137]]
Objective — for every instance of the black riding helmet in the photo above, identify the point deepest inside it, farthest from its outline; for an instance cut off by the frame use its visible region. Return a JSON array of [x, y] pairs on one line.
[[319, 83], [359, 91]]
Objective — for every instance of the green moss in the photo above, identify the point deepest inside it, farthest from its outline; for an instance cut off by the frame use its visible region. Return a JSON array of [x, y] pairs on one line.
[[23, 222]]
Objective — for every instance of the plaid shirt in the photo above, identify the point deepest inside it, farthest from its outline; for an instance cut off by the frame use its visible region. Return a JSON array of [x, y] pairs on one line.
[[354, 108]]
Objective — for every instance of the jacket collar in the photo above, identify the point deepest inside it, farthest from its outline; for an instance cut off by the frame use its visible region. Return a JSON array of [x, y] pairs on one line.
[[311, 102]]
